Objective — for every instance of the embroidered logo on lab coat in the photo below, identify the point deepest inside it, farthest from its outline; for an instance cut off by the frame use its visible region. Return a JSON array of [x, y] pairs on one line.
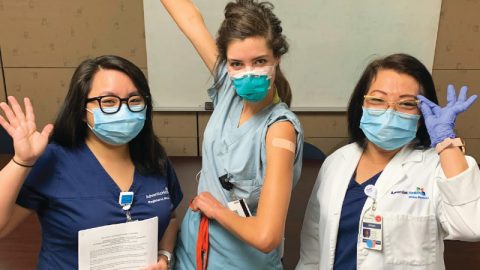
[[418, 193]]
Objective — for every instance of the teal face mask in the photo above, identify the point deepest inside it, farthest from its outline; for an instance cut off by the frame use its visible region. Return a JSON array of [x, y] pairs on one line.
[[253, 85], [118, 128], [389, 129]]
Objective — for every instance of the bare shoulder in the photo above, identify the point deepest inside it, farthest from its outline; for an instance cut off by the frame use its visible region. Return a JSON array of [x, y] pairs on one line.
[[282, 129]]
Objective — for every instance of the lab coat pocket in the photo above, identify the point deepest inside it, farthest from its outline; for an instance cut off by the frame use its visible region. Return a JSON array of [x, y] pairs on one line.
[[410, 240], [247, 189]]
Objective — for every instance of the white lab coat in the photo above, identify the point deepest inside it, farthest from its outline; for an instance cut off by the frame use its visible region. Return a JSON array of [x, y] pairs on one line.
[[413, 228]]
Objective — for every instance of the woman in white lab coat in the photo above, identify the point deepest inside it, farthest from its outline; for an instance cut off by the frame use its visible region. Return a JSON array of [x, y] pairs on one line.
[[390, 198]]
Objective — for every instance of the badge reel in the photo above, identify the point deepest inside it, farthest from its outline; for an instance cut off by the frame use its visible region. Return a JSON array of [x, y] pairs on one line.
[[372, 223], [238, 206], [125, 200]]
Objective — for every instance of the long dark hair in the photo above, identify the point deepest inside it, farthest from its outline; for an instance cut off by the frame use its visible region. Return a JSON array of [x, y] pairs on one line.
[[70, 129], [249, 18], [403, 64]]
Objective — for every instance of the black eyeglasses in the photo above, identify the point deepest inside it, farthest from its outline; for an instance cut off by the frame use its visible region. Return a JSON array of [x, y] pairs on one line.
[[111, 104]]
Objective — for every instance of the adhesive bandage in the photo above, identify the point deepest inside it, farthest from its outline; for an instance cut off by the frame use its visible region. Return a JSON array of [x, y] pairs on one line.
[[284, 143]]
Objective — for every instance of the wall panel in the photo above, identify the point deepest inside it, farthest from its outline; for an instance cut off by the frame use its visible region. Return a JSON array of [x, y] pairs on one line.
[[327, 145], [472, 148], [175, 124], [323, 124], [180, 146], [177, 132], [46, 87], [467, 124], [458, 35], [53, 33], [2, 89]]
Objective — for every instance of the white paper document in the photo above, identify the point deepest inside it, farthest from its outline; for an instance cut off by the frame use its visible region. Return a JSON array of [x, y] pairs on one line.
[[132, 245]]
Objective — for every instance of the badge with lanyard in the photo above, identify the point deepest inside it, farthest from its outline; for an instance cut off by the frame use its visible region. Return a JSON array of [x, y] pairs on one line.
[[238, 206], [125, 200], [372, 222]]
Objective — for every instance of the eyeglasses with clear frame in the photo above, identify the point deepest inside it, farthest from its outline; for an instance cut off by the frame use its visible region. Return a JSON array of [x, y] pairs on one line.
[[110, 104], [409, 105]]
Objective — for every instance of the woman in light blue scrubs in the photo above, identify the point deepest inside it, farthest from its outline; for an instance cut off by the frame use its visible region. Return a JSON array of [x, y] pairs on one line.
[[252, 149]]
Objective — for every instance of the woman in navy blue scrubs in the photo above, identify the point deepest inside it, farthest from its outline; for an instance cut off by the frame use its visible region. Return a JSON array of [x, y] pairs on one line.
[[102, 144]]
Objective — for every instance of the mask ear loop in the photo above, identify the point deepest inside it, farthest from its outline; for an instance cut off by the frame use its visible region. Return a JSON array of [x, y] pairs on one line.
[[86, 122]]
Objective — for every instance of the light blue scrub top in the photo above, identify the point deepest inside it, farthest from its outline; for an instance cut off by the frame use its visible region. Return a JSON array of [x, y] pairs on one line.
[[239, 152]]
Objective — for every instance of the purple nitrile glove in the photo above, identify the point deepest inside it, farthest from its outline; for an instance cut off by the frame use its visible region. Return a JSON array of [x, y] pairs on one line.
[[441, 121]]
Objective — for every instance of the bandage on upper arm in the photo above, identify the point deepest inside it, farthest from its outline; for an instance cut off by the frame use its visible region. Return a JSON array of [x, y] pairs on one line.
[[284, 143]]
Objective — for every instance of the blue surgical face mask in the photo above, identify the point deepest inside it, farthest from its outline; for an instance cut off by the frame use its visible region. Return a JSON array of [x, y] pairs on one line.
[[389, 129], [118, 128], [253, 85]]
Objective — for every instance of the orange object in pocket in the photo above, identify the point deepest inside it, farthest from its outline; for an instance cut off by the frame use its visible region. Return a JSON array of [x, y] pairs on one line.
[[202, 243]]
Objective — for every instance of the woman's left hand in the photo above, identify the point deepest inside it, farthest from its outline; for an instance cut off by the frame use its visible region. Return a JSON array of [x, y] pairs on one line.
[[207, 204], [441, 121], [160, 265]]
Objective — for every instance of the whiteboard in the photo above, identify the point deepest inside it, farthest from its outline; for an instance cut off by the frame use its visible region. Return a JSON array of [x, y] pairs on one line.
[[331, 42]]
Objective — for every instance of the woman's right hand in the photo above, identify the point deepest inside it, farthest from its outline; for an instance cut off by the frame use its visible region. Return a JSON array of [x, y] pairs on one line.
[[28, 143]]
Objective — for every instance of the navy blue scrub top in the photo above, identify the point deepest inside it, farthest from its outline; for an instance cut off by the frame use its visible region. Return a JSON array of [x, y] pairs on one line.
[[70, 191], [346, 249]]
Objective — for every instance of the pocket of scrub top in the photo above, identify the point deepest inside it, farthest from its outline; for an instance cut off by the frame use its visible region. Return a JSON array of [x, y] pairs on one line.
[[409, 240], [249, 190]]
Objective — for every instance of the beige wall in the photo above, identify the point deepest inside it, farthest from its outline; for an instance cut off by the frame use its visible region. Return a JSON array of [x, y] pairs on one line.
[[2, 89], [177, 132], [42, 42], [457, 60]]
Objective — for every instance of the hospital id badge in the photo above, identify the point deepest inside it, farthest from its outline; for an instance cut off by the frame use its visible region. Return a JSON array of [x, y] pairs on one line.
[[372, 231], [239, 207]]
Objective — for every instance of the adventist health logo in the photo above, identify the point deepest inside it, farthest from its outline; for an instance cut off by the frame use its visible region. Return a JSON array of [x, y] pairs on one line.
[[419, 193], [158, 196]]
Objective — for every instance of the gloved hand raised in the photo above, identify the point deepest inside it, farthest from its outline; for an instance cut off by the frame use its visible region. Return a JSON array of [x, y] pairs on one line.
[[441, 121]]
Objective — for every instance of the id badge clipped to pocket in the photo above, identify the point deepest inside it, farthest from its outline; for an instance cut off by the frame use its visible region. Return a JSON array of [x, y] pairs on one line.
[[240, 207], [372, 231]]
